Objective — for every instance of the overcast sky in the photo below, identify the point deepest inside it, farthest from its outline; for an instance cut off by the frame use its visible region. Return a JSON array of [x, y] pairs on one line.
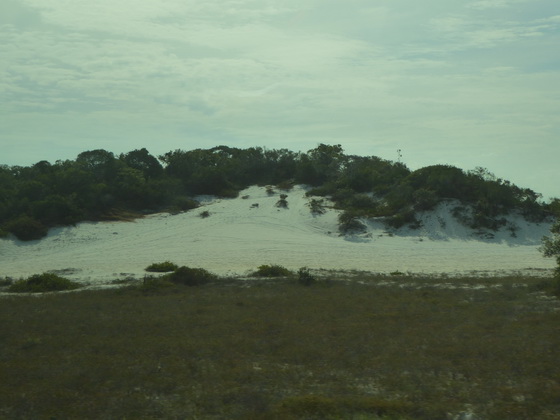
[[461, 82]]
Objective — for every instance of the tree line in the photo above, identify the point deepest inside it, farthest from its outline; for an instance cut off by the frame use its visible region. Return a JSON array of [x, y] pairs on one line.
[[99, 185]]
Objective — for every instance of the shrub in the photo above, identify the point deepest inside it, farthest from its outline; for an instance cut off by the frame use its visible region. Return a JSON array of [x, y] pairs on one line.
[[204, 214], [402, 218], [185, 203], [282, 203], [39, 283], [6, 281], [190, 276], [285, 185], [163, 267], [305, 278], [26, 228], [348, 222], [271, 271], [228, 193], [316, 206]]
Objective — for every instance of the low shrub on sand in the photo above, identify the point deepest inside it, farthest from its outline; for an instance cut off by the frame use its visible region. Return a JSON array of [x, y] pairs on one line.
[[163, 267], [190, 276], [272, 270], [39, 283]]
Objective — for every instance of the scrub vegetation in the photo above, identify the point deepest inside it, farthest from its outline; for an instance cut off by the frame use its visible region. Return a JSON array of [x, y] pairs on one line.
[[99, 185], [163, 267], [39, 283], [350, 346], [272, 270]]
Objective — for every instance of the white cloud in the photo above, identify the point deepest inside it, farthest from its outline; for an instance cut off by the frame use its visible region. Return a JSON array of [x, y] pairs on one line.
[[442, 78]]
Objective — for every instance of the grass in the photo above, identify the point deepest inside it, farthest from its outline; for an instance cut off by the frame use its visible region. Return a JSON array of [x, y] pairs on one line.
[[349, 347]]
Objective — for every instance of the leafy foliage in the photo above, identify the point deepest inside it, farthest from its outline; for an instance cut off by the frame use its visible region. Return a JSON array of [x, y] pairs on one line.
[[283, 202], [349, 222], [91, 187], [188, 276], [163, 267], [551, 248], [271, 270], [26, 228], [39, 283]]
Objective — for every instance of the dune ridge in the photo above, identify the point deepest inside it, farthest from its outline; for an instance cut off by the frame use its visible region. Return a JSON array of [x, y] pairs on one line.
[[242, 233]]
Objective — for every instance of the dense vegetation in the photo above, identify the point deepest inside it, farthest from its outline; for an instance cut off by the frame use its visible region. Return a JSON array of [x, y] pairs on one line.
[[40, 283], [551, 248], [98, 185]]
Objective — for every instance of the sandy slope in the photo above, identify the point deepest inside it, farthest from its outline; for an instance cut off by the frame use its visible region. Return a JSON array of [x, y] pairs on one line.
[[238, 237]]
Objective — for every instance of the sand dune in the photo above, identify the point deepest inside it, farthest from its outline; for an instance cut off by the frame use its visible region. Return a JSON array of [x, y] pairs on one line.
[[238, 236]]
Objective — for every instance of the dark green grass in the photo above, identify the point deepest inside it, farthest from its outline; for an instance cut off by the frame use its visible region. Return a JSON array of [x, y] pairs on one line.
[[277, 350]]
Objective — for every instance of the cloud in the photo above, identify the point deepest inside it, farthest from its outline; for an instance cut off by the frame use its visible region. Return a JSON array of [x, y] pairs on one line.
[[434, 77]]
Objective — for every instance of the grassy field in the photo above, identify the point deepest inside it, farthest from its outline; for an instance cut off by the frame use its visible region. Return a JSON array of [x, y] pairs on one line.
[[352, 346]]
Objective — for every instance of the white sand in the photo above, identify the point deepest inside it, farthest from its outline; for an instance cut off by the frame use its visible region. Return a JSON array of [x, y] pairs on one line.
[[237, 238]]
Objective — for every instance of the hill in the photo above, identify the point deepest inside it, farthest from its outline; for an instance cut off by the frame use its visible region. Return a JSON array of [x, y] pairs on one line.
[[271, 226], [101, 186]]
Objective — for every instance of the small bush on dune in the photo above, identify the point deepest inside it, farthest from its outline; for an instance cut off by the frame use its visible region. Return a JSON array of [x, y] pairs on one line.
[[348, 222], [183, 204], [39, 283], [190, 276], [282, 203], [271, 271], [163, 267], [26, 228], [285, 185], [316, 206]]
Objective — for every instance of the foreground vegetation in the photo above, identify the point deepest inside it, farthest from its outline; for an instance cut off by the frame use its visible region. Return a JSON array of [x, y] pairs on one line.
[[98, 185], [351, 346]]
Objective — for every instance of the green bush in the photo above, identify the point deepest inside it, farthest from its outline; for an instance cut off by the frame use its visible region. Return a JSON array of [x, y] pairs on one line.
[[286, 185], [204, 214], [39, 283], [348, 222], [405, 217], [271, 271], [282, 203], [316, 206], [190, 276], [26, 228], [185, 203], [305, 278], [6, 281], [163, 267]]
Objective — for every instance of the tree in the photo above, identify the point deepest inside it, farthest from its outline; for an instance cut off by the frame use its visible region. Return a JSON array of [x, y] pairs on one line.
[[101, 163], [551, 247], [144, 162]]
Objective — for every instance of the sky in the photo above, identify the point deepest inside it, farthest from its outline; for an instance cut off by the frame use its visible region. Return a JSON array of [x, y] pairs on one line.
[[467, 83]]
